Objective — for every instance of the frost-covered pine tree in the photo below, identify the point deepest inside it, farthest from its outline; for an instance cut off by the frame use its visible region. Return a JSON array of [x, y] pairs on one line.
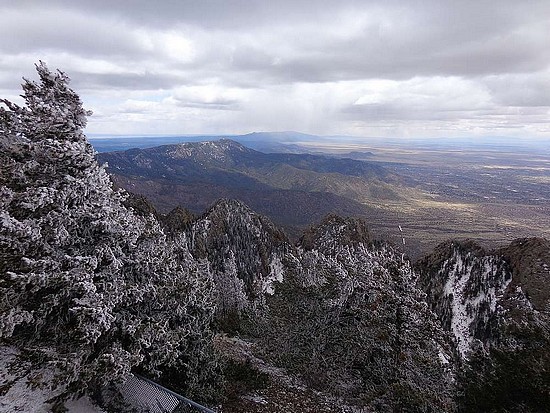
[[85, 284], [349, 319]]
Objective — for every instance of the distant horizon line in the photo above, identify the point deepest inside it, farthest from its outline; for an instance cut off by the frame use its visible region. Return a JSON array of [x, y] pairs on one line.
[[220, 135]]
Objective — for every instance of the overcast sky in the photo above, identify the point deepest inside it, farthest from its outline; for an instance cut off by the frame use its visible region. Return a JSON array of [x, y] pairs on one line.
[[365, 68]]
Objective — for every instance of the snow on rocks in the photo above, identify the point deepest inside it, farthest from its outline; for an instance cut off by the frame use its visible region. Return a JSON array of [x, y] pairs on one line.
[[473, 287]]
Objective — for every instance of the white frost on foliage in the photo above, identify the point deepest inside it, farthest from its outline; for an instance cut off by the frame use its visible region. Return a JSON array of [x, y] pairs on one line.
[[522, 299], [79, 262], [230, 288], [443, 357], [12, 318], [276, 274], [461, 319]]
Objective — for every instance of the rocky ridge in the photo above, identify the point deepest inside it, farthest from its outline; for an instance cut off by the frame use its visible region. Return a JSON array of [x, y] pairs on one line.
[[473, 290]]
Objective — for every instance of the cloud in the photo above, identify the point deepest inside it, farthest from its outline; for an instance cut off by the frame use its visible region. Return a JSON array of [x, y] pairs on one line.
[[434, 98], [523, 89], [318, 66], [209, 96]]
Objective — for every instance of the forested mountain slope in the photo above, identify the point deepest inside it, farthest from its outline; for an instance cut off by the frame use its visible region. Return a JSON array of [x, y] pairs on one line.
[[292, 189]]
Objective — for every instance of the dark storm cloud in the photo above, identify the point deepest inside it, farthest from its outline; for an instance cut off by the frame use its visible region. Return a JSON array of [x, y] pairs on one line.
[[37, 29], [481, 55], [398, 40], [401, 44], [210, 14]]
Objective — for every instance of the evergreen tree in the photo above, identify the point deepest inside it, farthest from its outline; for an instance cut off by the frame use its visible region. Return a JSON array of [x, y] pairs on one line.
[[85, 283], [512, 374], [349, 319]]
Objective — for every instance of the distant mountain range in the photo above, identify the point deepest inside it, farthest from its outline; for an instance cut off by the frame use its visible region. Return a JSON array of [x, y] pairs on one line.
[[430, 188], [297, 142], [262, 141], [292, 189]]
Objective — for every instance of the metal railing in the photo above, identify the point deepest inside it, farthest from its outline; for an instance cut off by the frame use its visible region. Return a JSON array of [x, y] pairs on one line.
[[148, 396]]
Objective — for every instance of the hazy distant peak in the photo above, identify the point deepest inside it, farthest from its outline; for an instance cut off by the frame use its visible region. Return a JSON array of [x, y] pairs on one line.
[[282, 134], [220, 144], [285, 137], [220, 152]]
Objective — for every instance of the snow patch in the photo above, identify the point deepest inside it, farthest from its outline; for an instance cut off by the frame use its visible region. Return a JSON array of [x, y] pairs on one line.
[[461, 320], [255, 398], [276, 274], [443, 357], [29, 390], [474, 286]]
